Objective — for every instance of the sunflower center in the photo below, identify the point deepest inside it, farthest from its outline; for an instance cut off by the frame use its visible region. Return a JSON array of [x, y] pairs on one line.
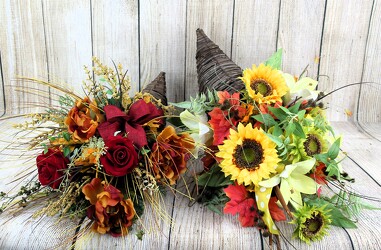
[[312, 145], [261, 86], [248, 155], [313, 225]]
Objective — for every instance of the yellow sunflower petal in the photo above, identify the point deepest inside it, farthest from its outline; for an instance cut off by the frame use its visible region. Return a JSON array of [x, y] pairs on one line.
[[264, 84], [260, 157]]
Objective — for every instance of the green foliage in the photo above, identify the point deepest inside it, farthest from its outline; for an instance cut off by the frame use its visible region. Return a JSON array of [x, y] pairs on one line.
[[201, 103], [66, 151], [336, 214], [140, 234], [211, 184], [328, 159], [213, 198], [275, 61], [214, 178], [343, 207]]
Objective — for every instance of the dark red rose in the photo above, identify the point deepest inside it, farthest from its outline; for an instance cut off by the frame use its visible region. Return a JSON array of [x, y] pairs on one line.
[[131, 123], [51, 167], [120, 157]]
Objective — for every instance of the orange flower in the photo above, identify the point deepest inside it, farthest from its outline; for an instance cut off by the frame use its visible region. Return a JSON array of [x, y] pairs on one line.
[[249, 112], [110, 212], [83, 120], [89, 157], [170, 153]]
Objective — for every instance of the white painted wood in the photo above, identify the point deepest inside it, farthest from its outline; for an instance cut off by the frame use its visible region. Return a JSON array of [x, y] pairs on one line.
[[255, 31], [2, 100], [162, 44], [369, 106], [215, 18], [68, 40], [343, 47], [116, 37], [53, 39], [300, 31], [23, 53], [156, 231]]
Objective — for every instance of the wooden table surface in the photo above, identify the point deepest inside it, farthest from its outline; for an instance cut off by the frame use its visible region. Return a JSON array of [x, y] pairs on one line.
[[195, 227]]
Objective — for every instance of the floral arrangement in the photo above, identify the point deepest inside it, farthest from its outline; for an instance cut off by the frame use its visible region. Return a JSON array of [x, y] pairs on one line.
[[104, 155], [270, 152]]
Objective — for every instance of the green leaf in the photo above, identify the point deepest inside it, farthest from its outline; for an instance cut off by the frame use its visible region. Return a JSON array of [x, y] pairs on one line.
[[214, 178], [285, 110], [275, 61], [322, 158], [66, 151], [339, 220], [275, 139], [184, 105], [301, 114], [145, 151], [140, 234], [277, 130], [333, 169], [266, 119], [334, 150], [176, 121], [45, 148], [109, 92], [295, 108], [279, 113], [66, 136], [290, 128], [214, 209], [299, 131]]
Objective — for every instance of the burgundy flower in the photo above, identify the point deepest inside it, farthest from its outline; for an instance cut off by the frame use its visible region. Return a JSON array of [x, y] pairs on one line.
[[120, 157], [51, 168], [132, 123]]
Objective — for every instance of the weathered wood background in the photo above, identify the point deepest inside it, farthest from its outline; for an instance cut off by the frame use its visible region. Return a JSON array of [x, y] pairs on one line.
[[339, 40], [53, 39]]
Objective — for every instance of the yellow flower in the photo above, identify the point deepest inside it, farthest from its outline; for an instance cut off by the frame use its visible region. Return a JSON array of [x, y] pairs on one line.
[[248, 155], [264, 84]]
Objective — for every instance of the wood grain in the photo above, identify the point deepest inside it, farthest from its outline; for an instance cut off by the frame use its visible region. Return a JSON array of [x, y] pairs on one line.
[[369, 105], [2, 98], [23, 53], [156, 233], [162, 44], [215, 18], [68, 39], [301, 43], [255, 31], [116, 37], [342, 55], [196, 227]]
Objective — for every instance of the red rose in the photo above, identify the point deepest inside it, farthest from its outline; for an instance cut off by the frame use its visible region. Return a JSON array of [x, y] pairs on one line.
[[51, 168], [120, 157]]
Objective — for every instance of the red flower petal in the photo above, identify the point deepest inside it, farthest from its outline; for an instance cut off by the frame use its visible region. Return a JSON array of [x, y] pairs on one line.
[[237, 195], [276, 213]]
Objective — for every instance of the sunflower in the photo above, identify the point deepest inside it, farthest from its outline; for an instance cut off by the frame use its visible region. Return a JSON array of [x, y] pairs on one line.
[[312, 223], [305, 148], [248, 155], [264, 84]]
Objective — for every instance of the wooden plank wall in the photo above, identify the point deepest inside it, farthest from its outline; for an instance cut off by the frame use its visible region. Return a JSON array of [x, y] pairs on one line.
[[52, 39]]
